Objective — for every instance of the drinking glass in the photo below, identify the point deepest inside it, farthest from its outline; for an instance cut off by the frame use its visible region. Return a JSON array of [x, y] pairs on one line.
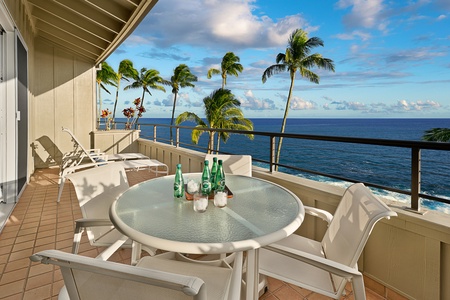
[[200, 202], [220, 198]]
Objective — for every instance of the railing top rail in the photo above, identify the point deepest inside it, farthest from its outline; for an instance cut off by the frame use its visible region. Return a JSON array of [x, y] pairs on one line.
[[356, 140]]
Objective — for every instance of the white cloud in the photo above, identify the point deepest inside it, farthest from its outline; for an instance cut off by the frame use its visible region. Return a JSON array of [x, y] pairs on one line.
[[364, 13], [203, 23], [441, 17], [300, 104], [253, 103], [404, 105], [356, 34]]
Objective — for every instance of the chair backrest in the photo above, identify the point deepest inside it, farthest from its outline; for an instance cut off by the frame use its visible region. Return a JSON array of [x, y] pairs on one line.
[[352, 223], [233, 164], [79, 152], [88, 278], [96, 189]]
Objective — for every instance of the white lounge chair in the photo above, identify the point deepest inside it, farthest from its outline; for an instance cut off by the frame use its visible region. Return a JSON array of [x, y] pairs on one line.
[[325, 267], [152, 278], [81, 158], [96, 189]]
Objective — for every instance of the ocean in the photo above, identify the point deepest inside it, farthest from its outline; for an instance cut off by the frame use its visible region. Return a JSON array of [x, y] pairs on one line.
[[389, 166]]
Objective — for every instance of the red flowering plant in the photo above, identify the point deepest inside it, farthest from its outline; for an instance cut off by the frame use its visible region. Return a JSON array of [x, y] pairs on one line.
[[130, 113], [106, 115]]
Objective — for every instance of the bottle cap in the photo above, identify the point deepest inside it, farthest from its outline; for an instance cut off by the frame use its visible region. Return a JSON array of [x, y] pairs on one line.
[[178, 165], [206, 162]]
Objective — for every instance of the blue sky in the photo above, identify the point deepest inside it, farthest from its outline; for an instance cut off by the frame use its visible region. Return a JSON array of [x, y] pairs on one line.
[[392, 58]]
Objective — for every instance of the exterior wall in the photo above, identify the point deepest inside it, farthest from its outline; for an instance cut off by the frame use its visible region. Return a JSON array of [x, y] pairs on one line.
[[407, 255], [64, 96], [61, 93]]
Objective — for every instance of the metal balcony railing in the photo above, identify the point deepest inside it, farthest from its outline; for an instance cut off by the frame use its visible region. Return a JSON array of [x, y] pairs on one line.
[[418, 169]]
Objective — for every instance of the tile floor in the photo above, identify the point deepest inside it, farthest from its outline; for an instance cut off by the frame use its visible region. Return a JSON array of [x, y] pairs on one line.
[[38, 223]]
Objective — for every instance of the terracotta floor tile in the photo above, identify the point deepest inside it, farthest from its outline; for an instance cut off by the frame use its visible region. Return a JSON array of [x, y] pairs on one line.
[[18, 264], [46, 233], [287, 292], [45, 240], [40, 293], [23, 246], [12, 276], [27, 231], [18, 296], [12, 288], [25, 238], [38, 268], [39, 280], [6, 249], [20, 254]]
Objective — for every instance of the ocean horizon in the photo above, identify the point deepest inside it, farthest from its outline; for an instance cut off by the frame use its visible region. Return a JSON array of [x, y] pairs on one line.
[[376, 164]]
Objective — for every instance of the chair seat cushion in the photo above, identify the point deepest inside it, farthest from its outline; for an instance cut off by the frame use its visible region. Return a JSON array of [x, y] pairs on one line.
[[293, 271]]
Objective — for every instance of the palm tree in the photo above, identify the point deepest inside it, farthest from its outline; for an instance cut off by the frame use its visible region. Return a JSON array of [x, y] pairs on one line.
[[147, 79], [105, 75], [297, 58], [222, 112], [125, 71], [182, 77], [437, 135], [230, 66]]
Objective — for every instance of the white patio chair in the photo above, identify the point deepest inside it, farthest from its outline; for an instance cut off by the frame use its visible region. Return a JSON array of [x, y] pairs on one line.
[[81, 158], [234, 164], [325, 267], [152, 278], [96, 189]]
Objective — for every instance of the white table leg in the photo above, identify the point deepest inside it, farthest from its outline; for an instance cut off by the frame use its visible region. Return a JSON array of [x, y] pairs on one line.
[[252, 279]]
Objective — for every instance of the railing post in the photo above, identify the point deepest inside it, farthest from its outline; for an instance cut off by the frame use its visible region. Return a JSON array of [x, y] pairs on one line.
[[415, 178], [272, 152], [177, 137], [154, 133]]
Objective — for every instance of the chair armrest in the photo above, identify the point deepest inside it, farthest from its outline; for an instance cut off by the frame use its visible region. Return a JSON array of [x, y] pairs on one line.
[[93, 222], [72, 169], [316, 212], [189, 285], [317, 261]]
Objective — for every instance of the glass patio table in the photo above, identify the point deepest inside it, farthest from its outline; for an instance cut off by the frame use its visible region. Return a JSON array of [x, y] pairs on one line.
[[259, 213]]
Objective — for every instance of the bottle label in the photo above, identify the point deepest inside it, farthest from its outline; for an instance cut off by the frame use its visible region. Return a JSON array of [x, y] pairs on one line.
[[221, 185], [206, 187], [178, 190]]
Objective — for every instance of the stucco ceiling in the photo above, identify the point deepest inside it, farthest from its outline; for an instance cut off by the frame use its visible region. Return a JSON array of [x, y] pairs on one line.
[[91, 28]]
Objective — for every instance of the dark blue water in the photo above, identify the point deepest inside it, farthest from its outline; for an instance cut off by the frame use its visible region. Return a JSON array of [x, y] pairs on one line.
[[388, 166]]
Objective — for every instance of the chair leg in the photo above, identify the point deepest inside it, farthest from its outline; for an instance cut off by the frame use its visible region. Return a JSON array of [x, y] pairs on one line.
[[77, 238], [136, 249], [113, 248], [60, 187], [358, 288]]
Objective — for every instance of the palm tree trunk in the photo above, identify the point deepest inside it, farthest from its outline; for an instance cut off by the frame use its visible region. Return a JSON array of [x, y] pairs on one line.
[[99, 113], [218, 143], [173, 115], [115, 103], [211, 142], [283, 126]]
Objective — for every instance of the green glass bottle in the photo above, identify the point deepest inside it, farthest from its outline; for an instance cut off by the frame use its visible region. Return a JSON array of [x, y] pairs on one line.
[[206, 179], [178, 185], [220, 177], [213, 173]]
